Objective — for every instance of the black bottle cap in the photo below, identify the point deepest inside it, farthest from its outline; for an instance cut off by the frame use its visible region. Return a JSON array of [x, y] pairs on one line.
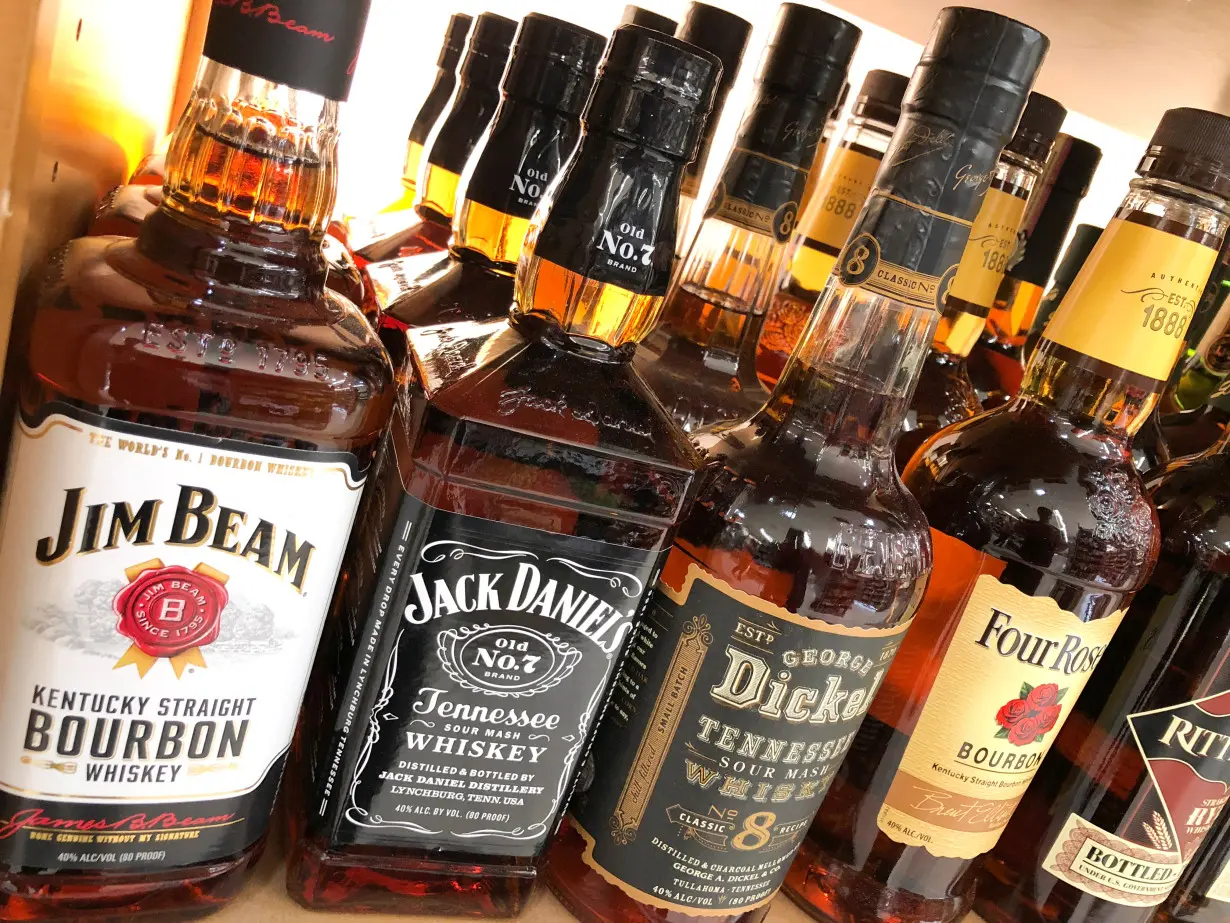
[[654, 90], [1053, 205], [639, 16], [720, 33], [1192, 147], [553, 63], [487, 51], [306, 44], [1040, 124], [1083, 240], [880, 96], [454, 41], [809, 53]]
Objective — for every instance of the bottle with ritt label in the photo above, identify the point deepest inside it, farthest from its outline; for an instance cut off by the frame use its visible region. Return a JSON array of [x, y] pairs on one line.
[[996, 364], [723, 34], [1202, 894], [793, 580], [825, 224], [1043, 533], [520, 512], [536, 127], [427, 225], [183, 392], [701, 358], [945, 393], [1140, 771], [433, 107]]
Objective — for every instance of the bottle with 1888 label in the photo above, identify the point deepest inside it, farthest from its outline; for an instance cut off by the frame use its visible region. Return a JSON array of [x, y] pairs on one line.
[[166, 585], [519, 513], [793, 580]]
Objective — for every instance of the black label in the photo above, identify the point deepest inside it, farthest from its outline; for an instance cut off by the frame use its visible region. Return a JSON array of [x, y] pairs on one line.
[[911, 234], [618, 227], [520, 157], [307, 44], [727, 725], [759, 193], [482, 669]]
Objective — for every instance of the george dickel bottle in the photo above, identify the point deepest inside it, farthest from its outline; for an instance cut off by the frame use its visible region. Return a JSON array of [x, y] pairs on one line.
[[824, 225], [793, 579], [701, 358], [182, 393], [523, 504], [535, 129], [996, 363], [945, 393], [1140, 772], [426, 226], [1043, 533], [724, 34]]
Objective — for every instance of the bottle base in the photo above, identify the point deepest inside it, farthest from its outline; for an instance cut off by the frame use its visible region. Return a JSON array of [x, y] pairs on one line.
[[833, 892], [396, 883], [181, 894]]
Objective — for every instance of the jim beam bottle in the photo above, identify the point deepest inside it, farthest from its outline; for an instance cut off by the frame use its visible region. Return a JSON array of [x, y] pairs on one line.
[[792, 582], [996, 363], [1043, 533], [426, 227], [701, 358], [723, 34], [167, 583], [523, 505], [945, 392], [825, 224], [1140, 771], [535, 129]]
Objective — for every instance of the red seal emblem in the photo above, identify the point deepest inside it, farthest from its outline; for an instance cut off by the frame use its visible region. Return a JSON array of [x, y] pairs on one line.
[[169, 611]]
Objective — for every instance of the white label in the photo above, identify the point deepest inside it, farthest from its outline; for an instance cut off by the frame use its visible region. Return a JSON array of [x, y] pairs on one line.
[[164, 600], [1112, 868]]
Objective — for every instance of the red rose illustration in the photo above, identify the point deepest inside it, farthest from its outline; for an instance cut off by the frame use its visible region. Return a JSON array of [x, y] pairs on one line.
[[1011, 713], [168, 610], [1024, 731], [1043, 696], [1047, 717]]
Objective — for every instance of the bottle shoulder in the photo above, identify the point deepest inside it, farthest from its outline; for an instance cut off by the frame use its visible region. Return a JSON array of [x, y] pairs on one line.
[[1022, 483], [1192, 496], [112, 329], [439, 288]]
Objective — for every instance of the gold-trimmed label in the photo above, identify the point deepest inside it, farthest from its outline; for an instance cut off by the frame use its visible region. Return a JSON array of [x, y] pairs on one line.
[[1133, 299], [728, 722], [1014, 667]]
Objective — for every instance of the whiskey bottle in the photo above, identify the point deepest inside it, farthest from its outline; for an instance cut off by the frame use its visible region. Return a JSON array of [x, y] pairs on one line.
[[1043, 533], [433, 107], [945, 393], [816, 169], [535, 128], [525, 499], [723, 34], [1137, 776], [473, 104], [639, 16], [182, 393], [1202, 894], [794, 577], [701, 358], [1079, 247], [824, 226], [995, 364], [1209, 362]]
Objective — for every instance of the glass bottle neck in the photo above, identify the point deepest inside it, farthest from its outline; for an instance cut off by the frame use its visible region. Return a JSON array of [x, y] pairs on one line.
[[474, 103], [595, 264], [1149, 267]]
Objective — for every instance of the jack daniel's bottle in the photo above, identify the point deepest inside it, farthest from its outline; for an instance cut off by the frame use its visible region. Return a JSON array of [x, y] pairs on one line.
[[426, 226], [165, 582], [524, 501], [1043, 533], [792, 581], [701, 358], [549, 77]]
